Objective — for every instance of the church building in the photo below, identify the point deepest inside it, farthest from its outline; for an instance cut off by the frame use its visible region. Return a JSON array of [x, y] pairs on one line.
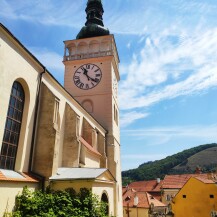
[[61, 136]]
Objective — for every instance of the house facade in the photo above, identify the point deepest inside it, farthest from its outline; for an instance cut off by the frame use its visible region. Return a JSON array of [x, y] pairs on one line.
[[172, 184], [198, 197]]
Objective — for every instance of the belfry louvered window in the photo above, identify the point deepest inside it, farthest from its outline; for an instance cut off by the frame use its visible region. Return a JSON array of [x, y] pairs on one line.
[[12, 127]]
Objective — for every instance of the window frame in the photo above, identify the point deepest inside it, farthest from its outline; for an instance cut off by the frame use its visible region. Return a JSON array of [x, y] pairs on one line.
[[13, 126]]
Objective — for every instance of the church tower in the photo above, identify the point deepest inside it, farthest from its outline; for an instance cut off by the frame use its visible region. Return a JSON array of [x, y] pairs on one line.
[[91, 77]]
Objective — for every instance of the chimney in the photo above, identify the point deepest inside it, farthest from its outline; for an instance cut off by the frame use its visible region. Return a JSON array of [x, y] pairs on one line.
[[136, 200], [198, 170], [158, 180]]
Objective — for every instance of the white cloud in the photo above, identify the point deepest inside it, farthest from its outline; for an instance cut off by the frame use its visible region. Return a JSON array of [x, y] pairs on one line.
[[129, 117], [48, 58], [195, 131], [45, 12], [125, 17], [169, 69], [51, 60]]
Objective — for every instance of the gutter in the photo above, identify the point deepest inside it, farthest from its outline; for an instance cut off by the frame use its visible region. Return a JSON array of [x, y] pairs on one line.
[[38, 176]]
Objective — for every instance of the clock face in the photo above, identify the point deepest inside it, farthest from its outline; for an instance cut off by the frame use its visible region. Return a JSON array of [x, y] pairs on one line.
[[87, 76]]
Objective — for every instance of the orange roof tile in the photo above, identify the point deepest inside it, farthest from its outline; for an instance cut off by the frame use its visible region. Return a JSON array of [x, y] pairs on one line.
[[144, 199], [205, 180], [178, 181], [149, 186]]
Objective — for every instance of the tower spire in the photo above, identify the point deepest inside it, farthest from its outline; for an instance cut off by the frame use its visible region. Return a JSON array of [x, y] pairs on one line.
[[94, 25]]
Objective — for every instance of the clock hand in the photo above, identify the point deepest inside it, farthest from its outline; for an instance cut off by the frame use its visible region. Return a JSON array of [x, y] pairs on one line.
[[85, 73], [88, 77]]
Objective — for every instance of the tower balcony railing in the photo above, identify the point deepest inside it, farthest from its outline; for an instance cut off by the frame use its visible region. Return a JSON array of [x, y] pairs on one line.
[[87, 55], [91, 55]]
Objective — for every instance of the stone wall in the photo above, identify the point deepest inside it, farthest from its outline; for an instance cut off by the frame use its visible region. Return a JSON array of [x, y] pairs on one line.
[[46, 135], [71, 146]]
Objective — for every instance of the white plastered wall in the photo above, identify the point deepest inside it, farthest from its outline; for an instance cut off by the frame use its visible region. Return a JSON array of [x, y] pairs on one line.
[[9, 191], [16, 65], [108, 188]]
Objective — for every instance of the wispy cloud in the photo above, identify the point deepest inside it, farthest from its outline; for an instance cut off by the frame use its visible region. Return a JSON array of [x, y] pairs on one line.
[[169, 66], [49, 58], [121, 16], [45, 12], [208, 132], [52, 61], [129, 117]]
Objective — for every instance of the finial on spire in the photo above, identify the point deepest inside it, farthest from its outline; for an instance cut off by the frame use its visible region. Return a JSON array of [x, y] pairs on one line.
[[94, 25]]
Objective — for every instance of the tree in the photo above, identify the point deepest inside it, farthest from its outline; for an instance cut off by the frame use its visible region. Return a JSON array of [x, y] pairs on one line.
[[66, 203]]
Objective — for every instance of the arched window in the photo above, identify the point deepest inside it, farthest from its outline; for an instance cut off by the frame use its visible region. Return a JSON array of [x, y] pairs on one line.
[[12, 127], [104, 199]]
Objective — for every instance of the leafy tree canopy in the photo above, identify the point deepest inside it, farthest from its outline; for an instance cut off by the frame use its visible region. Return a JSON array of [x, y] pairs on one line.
[[66, 203]]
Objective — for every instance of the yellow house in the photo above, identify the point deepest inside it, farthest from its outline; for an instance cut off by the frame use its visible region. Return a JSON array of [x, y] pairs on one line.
[[63, 136], [173, 183], [197, 198]]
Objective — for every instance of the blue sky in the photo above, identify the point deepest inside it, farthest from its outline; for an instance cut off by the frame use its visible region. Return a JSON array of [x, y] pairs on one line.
[[168, 53]]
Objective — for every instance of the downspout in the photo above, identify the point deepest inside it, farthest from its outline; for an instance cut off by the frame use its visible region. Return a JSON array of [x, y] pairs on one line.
[[41, 178]]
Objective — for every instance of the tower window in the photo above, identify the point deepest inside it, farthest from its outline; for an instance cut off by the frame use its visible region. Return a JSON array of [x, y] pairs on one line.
[[184, 196], [12, 127], [116, 115], [56, 111], [211, 196]]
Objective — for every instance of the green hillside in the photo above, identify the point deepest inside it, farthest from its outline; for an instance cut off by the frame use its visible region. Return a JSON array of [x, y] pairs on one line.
[[186, 161]]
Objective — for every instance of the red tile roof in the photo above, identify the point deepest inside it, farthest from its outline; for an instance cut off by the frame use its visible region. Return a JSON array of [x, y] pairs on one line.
[[178, 181], [206, 180], [149, 186], [26, 178], [144, 199]]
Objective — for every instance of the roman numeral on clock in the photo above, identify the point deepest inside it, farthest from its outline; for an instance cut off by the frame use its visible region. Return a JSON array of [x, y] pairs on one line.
[[97, 70], [77, 82], [81, 85], [87, 76]]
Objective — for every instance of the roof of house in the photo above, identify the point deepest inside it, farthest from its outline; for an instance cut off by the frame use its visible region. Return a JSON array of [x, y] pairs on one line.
[[149, 186], [205, 180], [78, 173], [10, 175], [144, 199], [178, 181]]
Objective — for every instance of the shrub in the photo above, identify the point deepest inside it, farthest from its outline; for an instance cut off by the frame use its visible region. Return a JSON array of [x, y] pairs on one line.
[[66, 203]]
